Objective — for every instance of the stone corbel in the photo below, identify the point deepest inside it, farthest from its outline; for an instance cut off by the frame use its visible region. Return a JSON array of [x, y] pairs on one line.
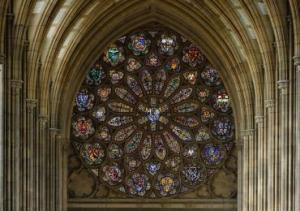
[[283, 86], [297, 62], [43, 120], [31, 104], [270, 103], [247, 132], [259, 119], [16, 83]]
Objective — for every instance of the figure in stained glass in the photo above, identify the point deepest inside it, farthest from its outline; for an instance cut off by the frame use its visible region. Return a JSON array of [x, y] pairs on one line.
[[153, 118]]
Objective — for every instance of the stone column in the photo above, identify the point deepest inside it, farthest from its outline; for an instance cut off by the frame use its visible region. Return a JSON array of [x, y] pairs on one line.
[[252, 169], [2, 99], [59, 171], [14, 143], [53, 173], [30, 157], [240, 171], [271, 186], [285, 161], [245, 159], [41, 162], [297, 133], [260, 161]]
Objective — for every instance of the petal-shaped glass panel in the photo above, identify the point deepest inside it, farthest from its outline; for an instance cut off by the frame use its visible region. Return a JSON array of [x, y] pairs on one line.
[[172, 86], [120, 120], [181, 133], [187, 121], [146, 147], [160, 78], [125, 95], [146, 80], [172, 142], [186, 107], [152, 118], [183, 94], [119, 107], [160, 150], [124, 133], [133, 142], [134, 86]]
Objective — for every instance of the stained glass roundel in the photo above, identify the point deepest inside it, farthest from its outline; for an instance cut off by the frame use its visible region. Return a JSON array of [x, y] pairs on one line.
[[152, 117]]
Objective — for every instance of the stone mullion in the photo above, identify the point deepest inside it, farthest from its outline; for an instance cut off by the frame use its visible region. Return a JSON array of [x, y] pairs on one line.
[[260, 153], [284, 145], [30, 150], [41, 170], [297, 133], [270, 150]]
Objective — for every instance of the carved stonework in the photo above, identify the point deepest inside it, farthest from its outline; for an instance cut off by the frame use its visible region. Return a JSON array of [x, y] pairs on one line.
[[297, 62]]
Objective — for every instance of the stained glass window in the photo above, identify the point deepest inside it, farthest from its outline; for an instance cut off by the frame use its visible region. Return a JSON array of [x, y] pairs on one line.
[[152, 119]]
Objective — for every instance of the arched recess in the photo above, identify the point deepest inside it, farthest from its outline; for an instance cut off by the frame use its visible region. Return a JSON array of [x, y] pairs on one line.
[[77, 61], [82, 54], [58, 79]]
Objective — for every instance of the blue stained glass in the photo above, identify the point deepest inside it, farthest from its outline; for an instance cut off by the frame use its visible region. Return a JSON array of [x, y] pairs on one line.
[[153, 114], [213, 154], [193, 174], [152, 118], [84, 100], [153, 167]]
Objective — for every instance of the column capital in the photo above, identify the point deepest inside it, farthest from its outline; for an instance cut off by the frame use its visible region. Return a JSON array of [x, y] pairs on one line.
[[31, 104], [296, 60], [259, 119], [16, 83], [54, 130], [43, 120], [247, 132], [283, 84], [269, 103]]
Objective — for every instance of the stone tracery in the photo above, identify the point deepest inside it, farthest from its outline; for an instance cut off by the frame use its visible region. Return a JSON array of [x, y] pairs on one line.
[[153, 117]]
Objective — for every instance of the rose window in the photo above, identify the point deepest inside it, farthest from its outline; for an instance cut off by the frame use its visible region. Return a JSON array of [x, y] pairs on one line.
[[152, 118]]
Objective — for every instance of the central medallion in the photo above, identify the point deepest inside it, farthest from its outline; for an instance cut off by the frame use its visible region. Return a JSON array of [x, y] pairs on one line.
[[153, 115]]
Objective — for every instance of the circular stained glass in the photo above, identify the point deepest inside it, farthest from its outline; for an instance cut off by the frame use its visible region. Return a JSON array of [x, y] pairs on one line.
[[153, 116]]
